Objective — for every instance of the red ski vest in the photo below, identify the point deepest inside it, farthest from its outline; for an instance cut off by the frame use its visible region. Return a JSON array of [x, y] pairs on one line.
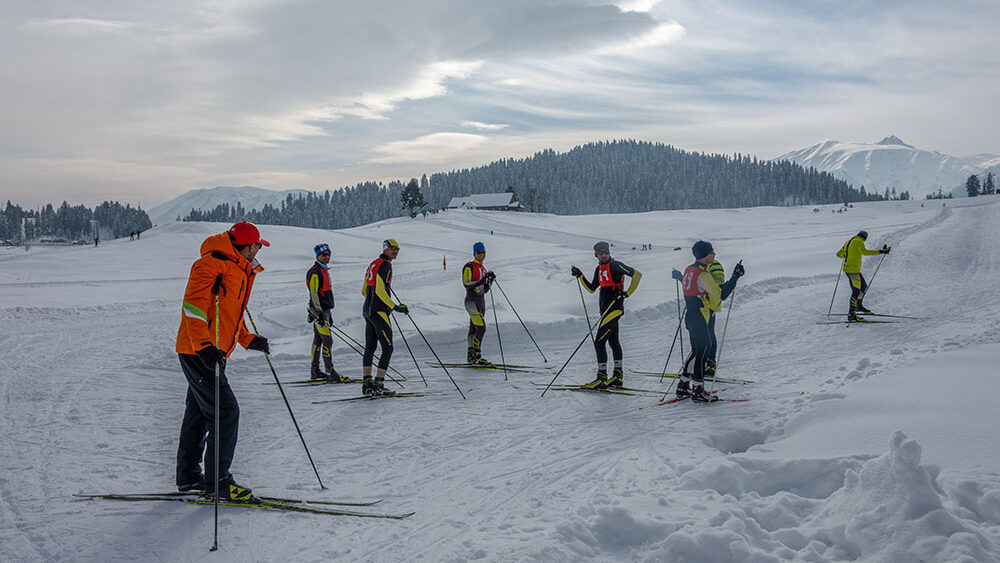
[[604, 277], [372, 272], [478, 270], [690, 282]]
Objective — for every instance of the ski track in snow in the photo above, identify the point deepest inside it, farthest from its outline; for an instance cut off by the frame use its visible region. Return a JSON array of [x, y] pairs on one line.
[[93, 398]]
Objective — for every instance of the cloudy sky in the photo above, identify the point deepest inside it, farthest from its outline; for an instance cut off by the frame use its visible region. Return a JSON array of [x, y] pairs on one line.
[[141, 101]]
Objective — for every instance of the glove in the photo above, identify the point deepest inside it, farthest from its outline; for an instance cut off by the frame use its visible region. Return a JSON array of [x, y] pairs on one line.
[[402, 309], [677, 275], [738, 271], [621, 295], [884, 250], [260, 344], [310, 315], [576, 272], [490, 277], [210, 355]]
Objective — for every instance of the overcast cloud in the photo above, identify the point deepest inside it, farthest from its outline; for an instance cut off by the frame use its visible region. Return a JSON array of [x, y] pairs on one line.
[[136, 101]]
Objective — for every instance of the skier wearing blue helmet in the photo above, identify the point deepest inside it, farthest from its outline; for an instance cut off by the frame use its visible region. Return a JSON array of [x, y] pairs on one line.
[[320, 315], [477, 281]]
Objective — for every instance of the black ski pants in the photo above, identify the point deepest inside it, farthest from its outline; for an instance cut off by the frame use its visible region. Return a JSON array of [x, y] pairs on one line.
[[198, 427], [858, 289], [378, 333], [322, 341], [701, 334], [475, 305], [607, 335]]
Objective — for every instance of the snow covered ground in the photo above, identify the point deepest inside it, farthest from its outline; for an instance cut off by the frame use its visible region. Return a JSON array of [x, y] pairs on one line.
[[859, 443]]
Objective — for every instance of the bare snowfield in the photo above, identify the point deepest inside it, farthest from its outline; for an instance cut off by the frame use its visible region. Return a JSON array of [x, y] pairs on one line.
[[871, 443]]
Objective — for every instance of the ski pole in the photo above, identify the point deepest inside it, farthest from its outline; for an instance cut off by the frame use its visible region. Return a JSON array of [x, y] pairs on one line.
[[408, 349], [503, 360], [671, 352], [522, 322], [590, 331], [875, 273], [215, 438], [288, 406], [579, 285], [431, 348], [341, 334], [680, 316], [836, 285], [725, 325]]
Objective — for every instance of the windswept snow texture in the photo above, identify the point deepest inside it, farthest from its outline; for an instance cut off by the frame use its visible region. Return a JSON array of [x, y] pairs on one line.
[[873, 443]]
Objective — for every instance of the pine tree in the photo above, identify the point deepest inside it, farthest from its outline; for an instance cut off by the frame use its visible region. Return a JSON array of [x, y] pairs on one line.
[[972, 185], [989, 188], [412, 198]]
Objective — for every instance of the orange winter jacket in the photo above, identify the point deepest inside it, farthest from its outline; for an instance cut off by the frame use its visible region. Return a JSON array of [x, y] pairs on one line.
[[197, 330]]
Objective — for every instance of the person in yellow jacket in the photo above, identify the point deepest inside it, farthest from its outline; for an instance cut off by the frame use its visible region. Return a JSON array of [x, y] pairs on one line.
[[206, 337], [851, 254]]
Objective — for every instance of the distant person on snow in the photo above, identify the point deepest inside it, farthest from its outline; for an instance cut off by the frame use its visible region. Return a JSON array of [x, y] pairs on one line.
[[851, 253], [320, 316], [609, 276], [226, 271], [477, 281], [703, 297], [376, 310]]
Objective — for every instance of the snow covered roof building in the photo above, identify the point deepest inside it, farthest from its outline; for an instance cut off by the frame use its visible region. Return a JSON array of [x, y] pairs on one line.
[[505, 201]]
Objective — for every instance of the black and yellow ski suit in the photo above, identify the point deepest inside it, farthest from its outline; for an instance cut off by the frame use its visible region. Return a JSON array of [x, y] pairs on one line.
[[703, 297], [610, 278], [320, 305], [376, 310], [719, 277], [476, 286]]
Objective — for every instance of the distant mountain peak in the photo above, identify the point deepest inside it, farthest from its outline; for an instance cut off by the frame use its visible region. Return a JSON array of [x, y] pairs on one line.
[[893, 140]]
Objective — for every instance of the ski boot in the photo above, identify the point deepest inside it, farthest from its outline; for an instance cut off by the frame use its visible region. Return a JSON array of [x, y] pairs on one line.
[[862, 309], [683, 390], [853, 317], [617, 378], [601, 382], [315, 373], [196, 484], [366, 386], [333, 376], [231, 491], [379, 390], [699, 395]]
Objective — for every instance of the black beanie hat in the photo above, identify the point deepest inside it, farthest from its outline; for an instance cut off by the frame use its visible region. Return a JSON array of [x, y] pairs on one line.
[[701, 249], [602, 247], [863, 234]]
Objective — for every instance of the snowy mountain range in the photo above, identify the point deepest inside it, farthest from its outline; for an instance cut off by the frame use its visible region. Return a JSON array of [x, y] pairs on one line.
[[249, 196], [891, 163]]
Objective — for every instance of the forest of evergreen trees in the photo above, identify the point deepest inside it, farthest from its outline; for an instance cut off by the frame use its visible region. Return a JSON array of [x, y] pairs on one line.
[[72, 223], [607, 177]]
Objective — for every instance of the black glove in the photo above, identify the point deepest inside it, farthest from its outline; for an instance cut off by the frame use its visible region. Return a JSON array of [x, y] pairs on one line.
[[884, 250], [260, 344], [402, 309], [310, 315], [576, 272], [621, 294], [677, 275], [490, 277], [738, 271], [210, 355]]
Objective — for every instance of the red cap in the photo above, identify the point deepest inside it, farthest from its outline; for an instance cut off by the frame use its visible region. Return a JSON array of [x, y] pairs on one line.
[[246, 233]]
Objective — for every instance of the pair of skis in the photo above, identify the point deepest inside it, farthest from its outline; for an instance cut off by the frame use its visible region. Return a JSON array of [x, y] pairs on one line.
[[510, 368], [266, 503], [862, 319]]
